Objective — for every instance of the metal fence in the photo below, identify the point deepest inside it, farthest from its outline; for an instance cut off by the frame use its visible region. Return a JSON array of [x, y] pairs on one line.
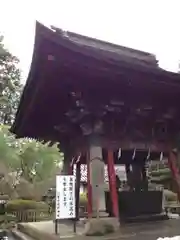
[[32, 215]]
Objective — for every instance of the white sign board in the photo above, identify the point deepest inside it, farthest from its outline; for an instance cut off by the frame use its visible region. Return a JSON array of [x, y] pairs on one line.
[[65, 197]]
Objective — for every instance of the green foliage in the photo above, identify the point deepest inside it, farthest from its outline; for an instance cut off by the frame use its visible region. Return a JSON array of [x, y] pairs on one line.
[[20, 204], [10, 86], [27, 167], [160, 172], [37, 161], [161, 176], [28, 210], [27, 159], [8, 154], [31, 160], [161, 179]]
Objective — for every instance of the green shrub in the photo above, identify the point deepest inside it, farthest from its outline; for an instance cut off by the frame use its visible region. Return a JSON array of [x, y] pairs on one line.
[[160, 172], [20, 204]]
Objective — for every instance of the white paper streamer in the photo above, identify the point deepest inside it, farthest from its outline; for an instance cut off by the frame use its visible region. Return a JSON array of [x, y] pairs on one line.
[[78, 159], [149, 153], [119, 153], [134, 154], [72, 161], [161, 156]]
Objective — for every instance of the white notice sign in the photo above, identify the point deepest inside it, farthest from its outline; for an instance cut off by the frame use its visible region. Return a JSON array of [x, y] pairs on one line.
[[65, 197]]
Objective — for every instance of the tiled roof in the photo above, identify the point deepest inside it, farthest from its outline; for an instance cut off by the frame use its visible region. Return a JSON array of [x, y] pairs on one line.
[[110, 50]]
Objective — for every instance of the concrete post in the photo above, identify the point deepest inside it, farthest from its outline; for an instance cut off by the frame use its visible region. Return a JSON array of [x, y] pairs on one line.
[[97, 181]]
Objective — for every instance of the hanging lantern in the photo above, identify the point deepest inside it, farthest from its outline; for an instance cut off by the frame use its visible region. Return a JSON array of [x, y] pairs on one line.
[[119, 153], [134, 154]]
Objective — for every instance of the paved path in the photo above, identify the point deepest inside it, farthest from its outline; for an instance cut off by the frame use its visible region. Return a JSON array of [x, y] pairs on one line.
[[144, 231], [154, 230], [64, 229]]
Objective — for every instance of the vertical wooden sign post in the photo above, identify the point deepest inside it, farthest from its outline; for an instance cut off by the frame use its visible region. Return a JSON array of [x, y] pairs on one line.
[[65, 199]]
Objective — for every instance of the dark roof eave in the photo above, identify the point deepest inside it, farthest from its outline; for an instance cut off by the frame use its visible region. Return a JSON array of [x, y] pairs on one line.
[[43, 32], [49, 35], [128, 60]]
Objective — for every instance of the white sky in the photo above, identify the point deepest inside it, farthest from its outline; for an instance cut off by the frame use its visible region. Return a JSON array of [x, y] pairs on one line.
[[149, 25]]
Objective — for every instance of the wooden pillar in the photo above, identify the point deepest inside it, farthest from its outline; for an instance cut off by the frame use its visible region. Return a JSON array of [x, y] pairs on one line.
[[172, 161], [112, 183], [78, 179], [89, 187], [68, 151], [67, 161], [71, 168]]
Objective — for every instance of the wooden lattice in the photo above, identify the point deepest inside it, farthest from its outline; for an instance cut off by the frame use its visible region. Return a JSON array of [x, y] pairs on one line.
[[119, 170]]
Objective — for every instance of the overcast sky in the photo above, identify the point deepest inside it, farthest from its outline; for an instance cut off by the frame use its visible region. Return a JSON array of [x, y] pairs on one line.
[[149, 25]]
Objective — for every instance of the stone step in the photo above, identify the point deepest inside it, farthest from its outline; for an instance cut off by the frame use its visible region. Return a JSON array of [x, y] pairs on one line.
[[145, 218], [16, 234]]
